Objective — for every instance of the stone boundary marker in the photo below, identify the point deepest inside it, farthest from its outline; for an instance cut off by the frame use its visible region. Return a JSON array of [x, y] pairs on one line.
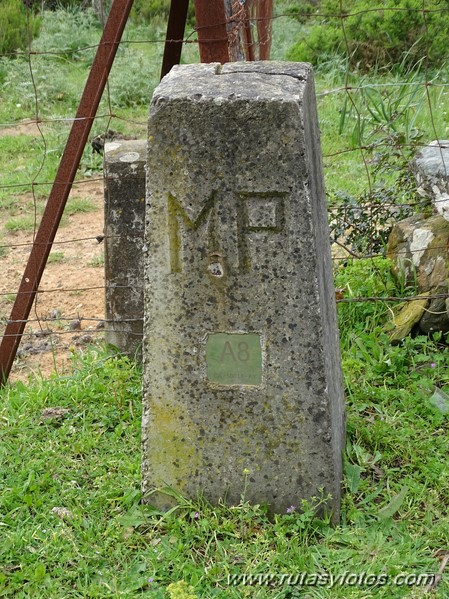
[[242, 383], [124, 194]]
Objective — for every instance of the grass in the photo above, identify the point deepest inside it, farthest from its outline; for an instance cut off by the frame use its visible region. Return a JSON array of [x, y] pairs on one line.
[[73, 525], [24, 219], [3, 247], [97, 261], [56, 258], [25, 223], [79, 206]]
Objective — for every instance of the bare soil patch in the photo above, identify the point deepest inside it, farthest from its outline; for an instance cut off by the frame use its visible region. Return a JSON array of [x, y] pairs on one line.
[[68, 312], [24, 127]]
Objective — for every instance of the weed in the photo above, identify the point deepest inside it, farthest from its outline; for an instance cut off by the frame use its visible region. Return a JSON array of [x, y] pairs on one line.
[[79, 206], [55, 258], [97, 261], [3, 248], [21, 223], [46, 83], [373, 38]]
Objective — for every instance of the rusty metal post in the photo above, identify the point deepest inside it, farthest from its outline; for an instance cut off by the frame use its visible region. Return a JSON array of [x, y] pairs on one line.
[[177, 20], [212, 32], [62, 185]]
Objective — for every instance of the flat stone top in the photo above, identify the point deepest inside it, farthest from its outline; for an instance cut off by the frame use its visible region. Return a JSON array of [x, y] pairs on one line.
[[125, 150], [433, 160], [263, 80]]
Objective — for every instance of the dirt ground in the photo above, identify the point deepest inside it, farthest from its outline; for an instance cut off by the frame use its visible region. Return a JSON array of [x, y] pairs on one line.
[[68, 313]]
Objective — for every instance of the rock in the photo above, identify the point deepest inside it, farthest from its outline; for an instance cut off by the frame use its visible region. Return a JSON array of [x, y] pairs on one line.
[[436, 317], [54, 413], [431, 170], [75, 325], [418, 248], [124, 168], [440, 401]]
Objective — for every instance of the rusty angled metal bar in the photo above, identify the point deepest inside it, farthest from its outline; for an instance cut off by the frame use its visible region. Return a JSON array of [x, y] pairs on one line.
[[177, 20], [62, 185], [211, 28]]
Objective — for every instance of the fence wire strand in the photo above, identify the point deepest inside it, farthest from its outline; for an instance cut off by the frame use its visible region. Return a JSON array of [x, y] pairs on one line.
[[25, 195]]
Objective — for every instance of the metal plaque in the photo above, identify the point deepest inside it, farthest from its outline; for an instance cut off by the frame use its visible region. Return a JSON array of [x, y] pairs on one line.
[[234, 358]]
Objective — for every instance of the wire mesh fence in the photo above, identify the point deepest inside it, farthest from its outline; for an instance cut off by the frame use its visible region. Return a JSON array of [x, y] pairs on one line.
[[382, 98]]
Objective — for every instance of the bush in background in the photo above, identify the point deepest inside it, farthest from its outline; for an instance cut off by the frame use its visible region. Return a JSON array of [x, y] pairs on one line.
[[144, 11], [17, 28], [48, 84], [39, 5], [69, 34], [376, 35], [132, 79]]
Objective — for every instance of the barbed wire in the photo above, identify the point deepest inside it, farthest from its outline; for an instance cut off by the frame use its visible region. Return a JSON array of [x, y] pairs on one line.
[[350, 90]]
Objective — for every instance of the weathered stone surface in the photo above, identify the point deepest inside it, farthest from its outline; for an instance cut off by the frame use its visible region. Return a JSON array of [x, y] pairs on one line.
[[431, 169], [418, 248], [242, 385], [124, 171], [436, 317]]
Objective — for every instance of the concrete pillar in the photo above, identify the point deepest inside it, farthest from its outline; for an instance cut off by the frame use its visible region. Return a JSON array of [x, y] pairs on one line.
[[242, 383], [124, 171]]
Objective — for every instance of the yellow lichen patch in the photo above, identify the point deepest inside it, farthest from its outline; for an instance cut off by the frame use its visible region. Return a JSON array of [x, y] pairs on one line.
[[409, 315], [173, 444]]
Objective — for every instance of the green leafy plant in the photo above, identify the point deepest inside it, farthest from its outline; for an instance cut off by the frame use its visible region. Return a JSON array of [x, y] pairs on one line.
[[69, 35], [132, 79], [383, 121]]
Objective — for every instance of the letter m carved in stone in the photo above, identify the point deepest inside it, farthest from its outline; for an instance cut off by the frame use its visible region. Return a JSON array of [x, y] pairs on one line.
[[176, 215]]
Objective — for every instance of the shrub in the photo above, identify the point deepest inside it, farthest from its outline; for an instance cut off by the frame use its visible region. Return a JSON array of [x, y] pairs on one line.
[[132, 79], [49, 84], [69, 34], [17, 28], [377, 36]]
